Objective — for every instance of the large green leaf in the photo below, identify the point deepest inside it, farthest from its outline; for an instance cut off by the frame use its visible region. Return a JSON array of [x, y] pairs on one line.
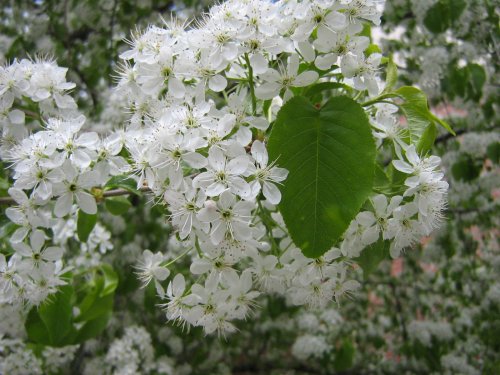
[[330, 156]]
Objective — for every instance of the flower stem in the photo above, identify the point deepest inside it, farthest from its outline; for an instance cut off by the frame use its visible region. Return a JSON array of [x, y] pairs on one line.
[[252, 84]]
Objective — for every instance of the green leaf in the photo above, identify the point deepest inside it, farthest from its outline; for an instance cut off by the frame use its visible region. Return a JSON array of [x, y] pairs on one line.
[[417, 112], [443, 15], [344, 356], [391, 76], [314, 90], [110, 280], [93, 328], [428, 138], [35, 328], [330, 156], [466, 168], [51, 323], [122, 182], [493, 152], [118, 205], [371, 49], [57, 312], [85, 224], [476, 80], [372, 255], [95, 306]]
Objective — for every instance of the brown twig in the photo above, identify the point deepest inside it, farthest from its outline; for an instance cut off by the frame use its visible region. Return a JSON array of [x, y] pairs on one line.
[[8, 201]]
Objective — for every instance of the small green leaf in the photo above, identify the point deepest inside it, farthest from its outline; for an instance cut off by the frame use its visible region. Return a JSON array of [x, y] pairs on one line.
[[476, 80], [330, 156], [85, 224], [344, 356], [372, 48], [122, 182], [391, 76], [372, 255], [417, 112], [428, 138], [110, 280], [493, 152], [118, 205]]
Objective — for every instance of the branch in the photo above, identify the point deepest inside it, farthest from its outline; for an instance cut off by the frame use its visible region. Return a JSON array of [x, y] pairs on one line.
[[8, 201]]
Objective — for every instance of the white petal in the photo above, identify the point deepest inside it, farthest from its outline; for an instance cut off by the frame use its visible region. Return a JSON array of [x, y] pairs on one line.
[[271, 192], [227, 200], [161, 273], [259, 153], [23, 249], [200, 266], [86, 202], [238, 165], [52, 253], [195, 160], [307, 51], [293, 65], [217, 83], [178, 285], [207, 214], [402, 166], [176, 88], [218, 233], [241, 187], [19, 235], [216, 159], [259, 63], [267, 91], [37, 239], [244, 136], [325, 62], [63, 204], [306, 78], [215, 189]]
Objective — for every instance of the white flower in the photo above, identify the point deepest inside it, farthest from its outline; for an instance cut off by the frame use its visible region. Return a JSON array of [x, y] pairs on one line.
[[284, 79], [73, 188], [151, 268], [229, 218], [34, 254], [403, 228], [266, 176], [416, 165], [362, 70], [184, 207], [223, 174]]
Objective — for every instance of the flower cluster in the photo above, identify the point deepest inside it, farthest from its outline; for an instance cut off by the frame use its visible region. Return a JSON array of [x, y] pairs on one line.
[[54, 170], [206, 159]]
